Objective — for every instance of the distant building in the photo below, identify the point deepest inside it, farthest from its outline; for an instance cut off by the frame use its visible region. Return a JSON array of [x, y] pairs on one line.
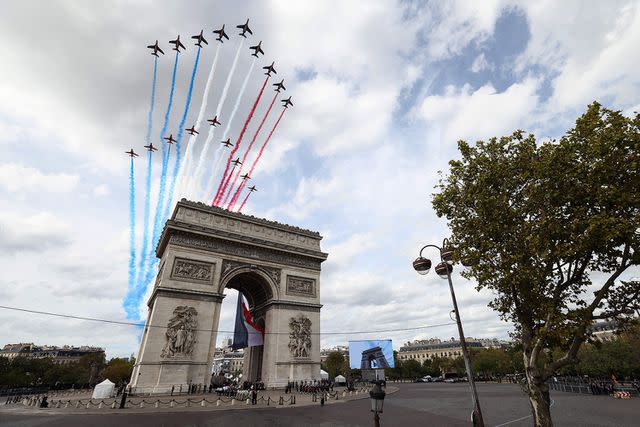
[[60, 355], [606, 330], [422, 350], [342, 349], [227, 360]]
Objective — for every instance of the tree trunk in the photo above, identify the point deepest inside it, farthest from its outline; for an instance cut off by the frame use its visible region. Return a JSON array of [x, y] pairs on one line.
[[539, 398]]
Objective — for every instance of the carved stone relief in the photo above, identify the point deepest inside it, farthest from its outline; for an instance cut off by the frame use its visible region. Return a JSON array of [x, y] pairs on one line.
[[243, 250], [181, 332], [275, 273], [300, 336], [301, 286], [188, 270]]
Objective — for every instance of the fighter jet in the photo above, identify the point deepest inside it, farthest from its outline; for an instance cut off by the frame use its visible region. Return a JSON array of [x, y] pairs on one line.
[[245, 29], [200, 39], [253, 188], [214, 121], [177, 44], [221, 34], [150, 147], [270, 69], [257, 49], [155, 49], [192, 130], [245, 176], [236, 162], [280, 86], [170, 139], [227, 143], [287, 102], [131, 153]]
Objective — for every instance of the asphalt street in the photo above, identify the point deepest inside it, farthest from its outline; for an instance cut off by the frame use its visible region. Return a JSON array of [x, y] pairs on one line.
[[413, 405]]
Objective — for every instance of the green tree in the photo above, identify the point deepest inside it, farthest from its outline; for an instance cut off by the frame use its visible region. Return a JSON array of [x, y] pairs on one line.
[[118, 370], [534, 221], [334, 364], [491, 362], [411, 369]]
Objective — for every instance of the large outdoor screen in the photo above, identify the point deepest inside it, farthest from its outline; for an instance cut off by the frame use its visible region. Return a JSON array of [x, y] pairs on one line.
[[371, 354]]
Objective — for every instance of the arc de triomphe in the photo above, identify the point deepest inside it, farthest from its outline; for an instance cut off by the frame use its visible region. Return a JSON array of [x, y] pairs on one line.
[[204, 250]]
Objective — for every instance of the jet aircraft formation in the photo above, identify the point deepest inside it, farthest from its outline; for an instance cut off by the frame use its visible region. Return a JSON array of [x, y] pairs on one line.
[[188, 168]]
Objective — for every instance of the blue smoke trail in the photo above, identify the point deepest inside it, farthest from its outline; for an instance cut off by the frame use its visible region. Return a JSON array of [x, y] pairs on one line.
[[166, 152], [133, 300], [145, 234], [130, 309], [176, 167]]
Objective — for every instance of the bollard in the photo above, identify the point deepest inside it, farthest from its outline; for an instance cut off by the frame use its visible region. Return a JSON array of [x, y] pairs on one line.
[[142, 404], [171, 403], [344, 394], [88, 404], [78, 404], [233, 401], [100, 405], [202, 403], [66, 405], [247, 401], [188, 403], [218, 402], [157, 403], [281, 402], [113, 405], [268, 400]]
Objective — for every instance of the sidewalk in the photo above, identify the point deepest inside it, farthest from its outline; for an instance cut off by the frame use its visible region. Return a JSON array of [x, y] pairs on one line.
[[200, 402]]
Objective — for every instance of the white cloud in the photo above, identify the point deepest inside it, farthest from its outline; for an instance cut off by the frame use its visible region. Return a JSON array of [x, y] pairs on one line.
[[36, 232], [17, 178], [101, 190], [480, 64], [464, 113], [592, 55]]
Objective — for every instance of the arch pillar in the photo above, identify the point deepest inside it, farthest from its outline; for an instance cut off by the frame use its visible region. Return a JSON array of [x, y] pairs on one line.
[[202, 251]]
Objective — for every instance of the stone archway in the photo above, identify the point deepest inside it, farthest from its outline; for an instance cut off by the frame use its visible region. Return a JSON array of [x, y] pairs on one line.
[[202, 251]]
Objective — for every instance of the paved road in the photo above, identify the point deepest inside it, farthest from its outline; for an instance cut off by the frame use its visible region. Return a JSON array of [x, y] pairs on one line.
[[414, 405]]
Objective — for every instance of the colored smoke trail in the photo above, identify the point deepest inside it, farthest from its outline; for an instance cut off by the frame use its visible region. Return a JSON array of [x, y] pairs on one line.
[[166, 152], [246, 153], [223, 189], [255, 162], [129, 307], [177, 164], [147, 190], [207, 145], [244, 201], [186, 175]]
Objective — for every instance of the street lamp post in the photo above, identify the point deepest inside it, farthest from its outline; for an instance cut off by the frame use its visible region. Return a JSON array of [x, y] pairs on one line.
[[377, 401], [443, 269]]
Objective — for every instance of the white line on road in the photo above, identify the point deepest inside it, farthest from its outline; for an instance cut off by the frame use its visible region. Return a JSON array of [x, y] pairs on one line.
[[522, 418]]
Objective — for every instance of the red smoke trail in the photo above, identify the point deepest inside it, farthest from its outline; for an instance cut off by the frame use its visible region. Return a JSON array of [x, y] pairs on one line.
[[222, 187], [261, 150], [246, 153], [244, 201]]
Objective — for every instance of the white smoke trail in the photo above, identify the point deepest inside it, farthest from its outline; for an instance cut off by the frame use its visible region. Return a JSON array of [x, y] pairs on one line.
[[185, 172], [197, 176], [215, 170]]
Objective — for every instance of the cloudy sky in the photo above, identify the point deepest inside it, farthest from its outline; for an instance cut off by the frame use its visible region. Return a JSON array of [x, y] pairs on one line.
[[382, 92]]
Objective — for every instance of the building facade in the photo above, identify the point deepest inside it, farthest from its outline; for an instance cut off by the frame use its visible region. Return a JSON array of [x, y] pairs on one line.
[[60, 355], [422, 350], [342, 349]]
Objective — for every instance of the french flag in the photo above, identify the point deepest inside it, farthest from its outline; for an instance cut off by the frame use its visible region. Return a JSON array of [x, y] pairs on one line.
[[246, 332]]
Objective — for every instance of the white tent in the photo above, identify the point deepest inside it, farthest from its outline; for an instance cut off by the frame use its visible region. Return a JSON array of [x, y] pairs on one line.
[[340, 380], [103, 390], [324, 375]]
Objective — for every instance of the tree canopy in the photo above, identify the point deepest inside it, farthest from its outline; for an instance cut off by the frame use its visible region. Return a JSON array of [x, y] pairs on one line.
[[550, 227]]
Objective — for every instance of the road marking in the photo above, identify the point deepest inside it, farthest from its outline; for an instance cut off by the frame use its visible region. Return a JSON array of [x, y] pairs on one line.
[[522, 418]]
